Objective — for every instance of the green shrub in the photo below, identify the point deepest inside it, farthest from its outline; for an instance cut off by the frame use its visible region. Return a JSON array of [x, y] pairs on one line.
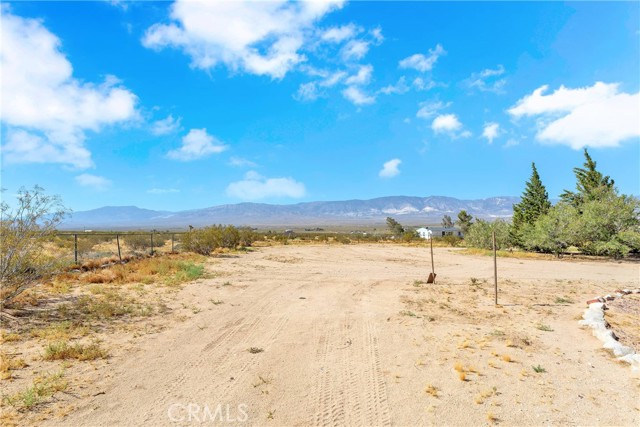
[[206, 240], [480, 234]]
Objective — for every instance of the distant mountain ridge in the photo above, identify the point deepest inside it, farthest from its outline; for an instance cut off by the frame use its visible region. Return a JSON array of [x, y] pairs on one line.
[[410, 210]]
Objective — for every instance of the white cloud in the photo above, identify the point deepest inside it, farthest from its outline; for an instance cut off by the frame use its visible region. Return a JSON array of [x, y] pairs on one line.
[[240, 162], [47, 112], [307, 92], [390, 168], [430, 109], [256, 187], [446, 123], [420, 84], [511, 143], [333, 79], [491, 131], [355, 50], [400, 87], [163, 191], [376, 33], [363, 76], [595, 116], [98, 183], [422, 62], [487, 80], [357, 96], [196, 145], [340, 34], [263, 38], [166, 126]]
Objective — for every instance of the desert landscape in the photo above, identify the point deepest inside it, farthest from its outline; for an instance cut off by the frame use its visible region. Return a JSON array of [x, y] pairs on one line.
[[335, 334]]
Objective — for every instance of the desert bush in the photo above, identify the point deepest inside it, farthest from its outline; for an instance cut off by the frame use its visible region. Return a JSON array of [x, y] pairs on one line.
[[451, 240], [206, 240], [23, 233], [138, 242], [480, 234]]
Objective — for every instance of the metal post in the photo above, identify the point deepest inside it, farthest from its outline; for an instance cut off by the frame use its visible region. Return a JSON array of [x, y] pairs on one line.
[[172, 238], [495, 267], [151, 243], [118, 241], [75, 248]]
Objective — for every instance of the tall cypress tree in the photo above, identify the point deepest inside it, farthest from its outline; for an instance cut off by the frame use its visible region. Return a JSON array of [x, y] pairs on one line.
[[534, 203], [590, 184]]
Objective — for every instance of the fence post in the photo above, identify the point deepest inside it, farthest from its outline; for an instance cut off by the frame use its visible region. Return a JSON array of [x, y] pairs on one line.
[[152, 243], [118, 241], [495, 267], [75, 248], [172, 238]]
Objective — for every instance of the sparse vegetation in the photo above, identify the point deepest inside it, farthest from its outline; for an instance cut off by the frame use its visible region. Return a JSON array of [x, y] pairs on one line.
[[539, 369], [543, 327], [255, 350], [61, 350], [42, 388]]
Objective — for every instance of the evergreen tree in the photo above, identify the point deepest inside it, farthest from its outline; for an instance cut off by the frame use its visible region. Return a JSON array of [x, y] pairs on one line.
[[590, 184], [464, 221], [394, 226], [534, 203]]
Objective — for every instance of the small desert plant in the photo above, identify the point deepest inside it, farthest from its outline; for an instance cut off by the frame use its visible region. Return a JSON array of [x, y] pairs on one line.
[[562, 300], [544, 327], [408, 313], [431, 390], [216, 301], [255, 350], [539, 369]]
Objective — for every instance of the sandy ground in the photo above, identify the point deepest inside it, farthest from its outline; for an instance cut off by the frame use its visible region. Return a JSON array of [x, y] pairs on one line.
[[350, 338]]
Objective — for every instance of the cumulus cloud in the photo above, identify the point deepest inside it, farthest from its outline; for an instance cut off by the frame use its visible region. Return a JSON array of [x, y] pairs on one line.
[[423, 62], [487, 80], [357, 96], [490, 131], [390, 168], [446, 123], [594, 116], [95, 182], [256, 187], [263, 38], [166, 126], [47, 112], [429, 109], [197, 144]]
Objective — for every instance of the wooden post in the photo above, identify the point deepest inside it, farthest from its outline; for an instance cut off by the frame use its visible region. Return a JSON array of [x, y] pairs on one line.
[[495, 267], [433, 269], [152, 243], [118, 241], [75, 248], [172, 239]]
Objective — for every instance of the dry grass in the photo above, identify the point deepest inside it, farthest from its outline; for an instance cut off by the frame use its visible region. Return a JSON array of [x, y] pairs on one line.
[[8, 364], [432, 390], [62, 351]]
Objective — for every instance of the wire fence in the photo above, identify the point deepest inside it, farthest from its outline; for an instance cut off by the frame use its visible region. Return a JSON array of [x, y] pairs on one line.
[[79, 246]]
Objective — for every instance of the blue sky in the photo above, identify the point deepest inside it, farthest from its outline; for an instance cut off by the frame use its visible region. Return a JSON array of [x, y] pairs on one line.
[[185, 105]]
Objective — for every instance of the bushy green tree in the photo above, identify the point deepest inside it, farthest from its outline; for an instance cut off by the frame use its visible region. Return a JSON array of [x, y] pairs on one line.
[[590, 183], [553, 232], [447, 222], [394, 226], [534, 203], [464, 221], [480, 234]]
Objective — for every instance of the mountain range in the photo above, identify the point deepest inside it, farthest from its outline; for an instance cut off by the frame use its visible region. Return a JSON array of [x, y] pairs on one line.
[[407, 210]]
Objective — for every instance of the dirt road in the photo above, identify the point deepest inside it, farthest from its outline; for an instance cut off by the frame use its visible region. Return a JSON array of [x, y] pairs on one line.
[[343, 335]]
